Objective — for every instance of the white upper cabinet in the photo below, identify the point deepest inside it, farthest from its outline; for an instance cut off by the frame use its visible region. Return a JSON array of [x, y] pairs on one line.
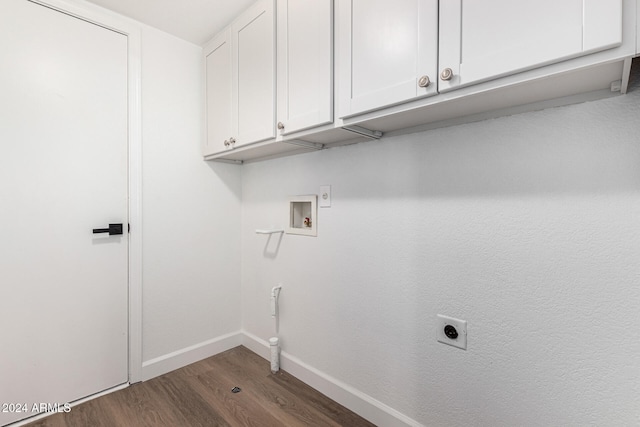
[[270, 74], [253, 77], [240, 81], [218, 89], [305, 64], [388, 52], [482, 40]]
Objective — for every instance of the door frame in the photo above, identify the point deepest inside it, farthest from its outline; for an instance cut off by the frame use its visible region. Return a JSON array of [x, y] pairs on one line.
[[131, 29]]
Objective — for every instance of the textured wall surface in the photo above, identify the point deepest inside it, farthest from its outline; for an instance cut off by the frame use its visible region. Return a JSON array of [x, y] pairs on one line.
[[527, 226], [191, 208]]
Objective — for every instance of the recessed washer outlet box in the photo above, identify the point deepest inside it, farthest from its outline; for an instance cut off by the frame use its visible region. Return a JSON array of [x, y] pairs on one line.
[[452, 331], [303, 215]]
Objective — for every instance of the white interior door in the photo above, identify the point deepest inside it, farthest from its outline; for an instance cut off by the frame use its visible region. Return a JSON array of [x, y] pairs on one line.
[[63, 172]]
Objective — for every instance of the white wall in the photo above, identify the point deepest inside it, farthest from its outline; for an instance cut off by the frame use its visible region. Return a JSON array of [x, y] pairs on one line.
[[191, 209], [527, 226]]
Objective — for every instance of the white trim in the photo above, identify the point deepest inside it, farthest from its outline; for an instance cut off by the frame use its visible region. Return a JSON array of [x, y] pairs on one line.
[[135, 206], [349, 397], [178, 359], [257, 345], [110, 20]]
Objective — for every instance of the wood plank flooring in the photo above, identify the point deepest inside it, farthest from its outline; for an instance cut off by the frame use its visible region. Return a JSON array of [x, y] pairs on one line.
[[200, 395]]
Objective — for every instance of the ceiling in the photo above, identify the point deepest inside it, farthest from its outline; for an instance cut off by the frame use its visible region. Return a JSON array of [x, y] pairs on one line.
[[192, 20]]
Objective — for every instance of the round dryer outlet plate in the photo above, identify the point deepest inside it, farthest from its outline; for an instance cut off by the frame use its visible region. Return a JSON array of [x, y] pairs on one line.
[[446, 335]]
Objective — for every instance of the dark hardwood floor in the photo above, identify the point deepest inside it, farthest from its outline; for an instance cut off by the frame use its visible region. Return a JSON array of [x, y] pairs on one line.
[[200, 395]]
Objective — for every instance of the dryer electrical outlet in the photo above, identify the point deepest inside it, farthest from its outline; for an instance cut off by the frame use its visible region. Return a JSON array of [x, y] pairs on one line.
[[452, 331]]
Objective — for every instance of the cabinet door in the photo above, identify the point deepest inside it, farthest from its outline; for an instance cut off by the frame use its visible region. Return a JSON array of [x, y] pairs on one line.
[[218, 90], [305, 64], [253, 40], [385, 48], [481, 40]]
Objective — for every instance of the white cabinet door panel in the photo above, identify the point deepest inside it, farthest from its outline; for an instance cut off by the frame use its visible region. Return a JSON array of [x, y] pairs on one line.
[[386, 48], [254, 80], [218, 82], [305, 64], [482, 40], [602, 24]]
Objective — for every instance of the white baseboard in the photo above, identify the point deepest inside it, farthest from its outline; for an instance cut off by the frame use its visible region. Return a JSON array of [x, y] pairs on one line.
[[178, 359], [349, 397], [360, 403]]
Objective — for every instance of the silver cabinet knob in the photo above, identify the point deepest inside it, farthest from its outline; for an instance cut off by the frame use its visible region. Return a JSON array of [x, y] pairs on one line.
[[232, 140], [424, 81], [226, 142], [280, 125], [446, 74]]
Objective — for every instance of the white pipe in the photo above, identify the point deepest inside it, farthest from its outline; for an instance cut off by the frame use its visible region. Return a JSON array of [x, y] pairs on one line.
[[275, 293], [273, 341], [275, 354]]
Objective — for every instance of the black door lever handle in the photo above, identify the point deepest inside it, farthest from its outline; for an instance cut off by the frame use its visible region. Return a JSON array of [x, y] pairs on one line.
[[114, 229]]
